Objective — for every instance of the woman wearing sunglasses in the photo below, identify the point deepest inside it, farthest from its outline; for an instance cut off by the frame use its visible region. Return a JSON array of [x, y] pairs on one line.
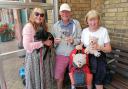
[[38, 72]]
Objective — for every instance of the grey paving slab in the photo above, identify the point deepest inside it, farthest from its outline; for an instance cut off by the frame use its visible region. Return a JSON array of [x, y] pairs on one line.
[[11, 66]]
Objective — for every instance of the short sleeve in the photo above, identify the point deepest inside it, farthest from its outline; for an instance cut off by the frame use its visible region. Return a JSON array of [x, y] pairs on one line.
[[82, 37], [106, 37]]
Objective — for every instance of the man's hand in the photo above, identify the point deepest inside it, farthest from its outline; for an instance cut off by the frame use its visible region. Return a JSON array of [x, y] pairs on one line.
[[57, 40], [69, 39]]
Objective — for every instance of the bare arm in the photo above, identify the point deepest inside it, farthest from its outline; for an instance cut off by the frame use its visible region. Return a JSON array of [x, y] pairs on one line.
[[106, 48]]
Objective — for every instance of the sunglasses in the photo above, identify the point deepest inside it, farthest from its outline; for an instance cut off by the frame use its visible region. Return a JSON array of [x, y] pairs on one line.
[[37, 14]]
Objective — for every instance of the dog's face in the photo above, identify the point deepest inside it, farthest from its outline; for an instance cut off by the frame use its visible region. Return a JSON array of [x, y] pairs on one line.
[[93, 40], [79, 59], [42, 35]]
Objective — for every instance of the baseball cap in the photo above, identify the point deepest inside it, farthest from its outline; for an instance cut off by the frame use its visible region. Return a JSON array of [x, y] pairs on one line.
[[65, 6]]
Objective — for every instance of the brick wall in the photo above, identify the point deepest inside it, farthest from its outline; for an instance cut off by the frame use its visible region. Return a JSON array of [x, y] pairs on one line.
[[98, 5], [116, 14], [79, 8], [119, 37], [115, 18]]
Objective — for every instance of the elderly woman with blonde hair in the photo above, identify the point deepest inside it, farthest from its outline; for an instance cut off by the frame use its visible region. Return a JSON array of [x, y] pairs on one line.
[[95, 30], [38, 71]]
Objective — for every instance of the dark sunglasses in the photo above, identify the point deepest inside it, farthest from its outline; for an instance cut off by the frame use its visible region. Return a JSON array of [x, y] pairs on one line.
[[37, 14]]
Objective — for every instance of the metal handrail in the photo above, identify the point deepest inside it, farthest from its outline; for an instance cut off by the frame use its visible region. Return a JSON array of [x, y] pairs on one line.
[[11, 53]]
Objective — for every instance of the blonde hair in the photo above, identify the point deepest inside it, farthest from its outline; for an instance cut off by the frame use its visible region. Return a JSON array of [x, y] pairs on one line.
[[92, 14], [32, 19]]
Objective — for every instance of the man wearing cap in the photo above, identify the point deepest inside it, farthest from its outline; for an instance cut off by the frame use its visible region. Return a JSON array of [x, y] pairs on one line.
[[67, 32]]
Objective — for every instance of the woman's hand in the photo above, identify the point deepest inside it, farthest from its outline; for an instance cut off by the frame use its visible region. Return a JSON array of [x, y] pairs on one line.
[[48, 43], [106, 48], [79, 47]]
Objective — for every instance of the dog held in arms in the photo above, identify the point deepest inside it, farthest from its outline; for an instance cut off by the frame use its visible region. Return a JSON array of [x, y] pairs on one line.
[[43, 35], [92, 40]]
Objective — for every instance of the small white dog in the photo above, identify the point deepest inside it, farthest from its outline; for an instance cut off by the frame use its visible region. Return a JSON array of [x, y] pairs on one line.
[[79, 60], [92, 40]]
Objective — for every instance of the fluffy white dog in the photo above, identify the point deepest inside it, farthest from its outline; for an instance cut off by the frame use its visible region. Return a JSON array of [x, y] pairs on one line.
[[92, 40], [79, 60]]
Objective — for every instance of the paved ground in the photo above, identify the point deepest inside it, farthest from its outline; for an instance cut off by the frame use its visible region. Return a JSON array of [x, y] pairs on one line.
[[11, 65]]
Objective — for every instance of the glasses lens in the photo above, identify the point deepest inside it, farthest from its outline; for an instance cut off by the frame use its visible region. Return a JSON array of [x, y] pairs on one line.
[[41, 15], [37, 14]]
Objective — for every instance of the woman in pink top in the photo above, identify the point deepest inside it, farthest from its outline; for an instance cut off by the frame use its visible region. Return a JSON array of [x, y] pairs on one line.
[[38, 72]]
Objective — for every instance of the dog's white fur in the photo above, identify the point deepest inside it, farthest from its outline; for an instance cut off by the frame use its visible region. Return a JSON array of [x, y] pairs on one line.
[[92, 40], [79, 59]]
